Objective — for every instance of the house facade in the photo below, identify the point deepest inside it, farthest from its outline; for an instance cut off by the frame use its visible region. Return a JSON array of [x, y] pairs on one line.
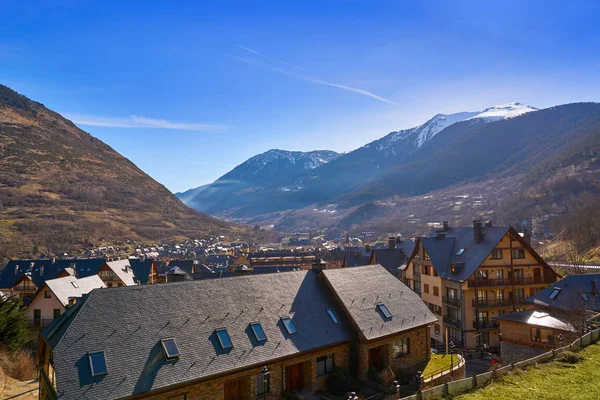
[[469, 275], [212, 339]]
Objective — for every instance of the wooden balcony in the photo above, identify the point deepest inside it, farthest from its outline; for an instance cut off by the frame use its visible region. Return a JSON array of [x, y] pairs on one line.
[[536, 280], [520, 281], [451, 301], [38, 323], [481, 282]]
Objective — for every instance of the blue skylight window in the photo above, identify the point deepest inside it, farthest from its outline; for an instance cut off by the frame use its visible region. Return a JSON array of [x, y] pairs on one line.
[[460, 251], [224, 339], [170, 348], [333, 315], [289, 325], [554, 293], [97, 363], [384, 310], [258, 331]]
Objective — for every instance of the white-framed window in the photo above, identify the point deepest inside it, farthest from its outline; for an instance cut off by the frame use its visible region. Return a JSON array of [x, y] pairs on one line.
[[324, 364]]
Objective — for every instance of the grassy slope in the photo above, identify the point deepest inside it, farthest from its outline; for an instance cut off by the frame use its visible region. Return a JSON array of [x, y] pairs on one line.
[[552, 381]]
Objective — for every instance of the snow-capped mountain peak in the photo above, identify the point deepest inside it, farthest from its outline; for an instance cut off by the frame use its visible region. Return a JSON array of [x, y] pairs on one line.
[[504, 111]]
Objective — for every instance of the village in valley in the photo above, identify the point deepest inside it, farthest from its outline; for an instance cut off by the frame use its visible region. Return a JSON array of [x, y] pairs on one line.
[[313, 315]]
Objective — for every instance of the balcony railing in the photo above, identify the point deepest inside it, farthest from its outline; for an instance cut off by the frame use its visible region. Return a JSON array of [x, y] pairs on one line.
[[451, 301], [33, 323], [481, 282], [481, 303], [452, 321], [536, 280], [485, 324]]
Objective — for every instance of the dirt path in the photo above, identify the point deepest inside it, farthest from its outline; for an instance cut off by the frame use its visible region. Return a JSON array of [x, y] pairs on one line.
[[14, 389]]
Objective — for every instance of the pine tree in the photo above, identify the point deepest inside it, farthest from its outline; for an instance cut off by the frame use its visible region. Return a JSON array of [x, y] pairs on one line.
[[13, 324]]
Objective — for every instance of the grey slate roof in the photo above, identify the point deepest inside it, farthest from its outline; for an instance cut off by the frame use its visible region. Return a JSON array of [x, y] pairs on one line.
[[574, 289], [360, 289], [537, 317], [141, 269], [64, 289], [393, 259], [356, 260], [128, 322], [16, 269], [443, 251]]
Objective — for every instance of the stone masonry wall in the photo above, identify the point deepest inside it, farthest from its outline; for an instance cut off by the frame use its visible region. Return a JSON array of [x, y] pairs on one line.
[[512, 353], [214, 389]]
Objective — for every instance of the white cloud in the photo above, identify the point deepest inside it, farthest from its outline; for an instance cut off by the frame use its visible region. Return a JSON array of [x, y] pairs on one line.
[[135, 121], [310, 79]]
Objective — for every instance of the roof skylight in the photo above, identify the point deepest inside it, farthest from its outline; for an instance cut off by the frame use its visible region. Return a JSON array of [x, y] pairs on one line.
[[170, 348], [384, 310], [224, 339], [259, 332], [75, 285], [333, 315], [97, 363], [289, 325], [460, 251], [554, 293]]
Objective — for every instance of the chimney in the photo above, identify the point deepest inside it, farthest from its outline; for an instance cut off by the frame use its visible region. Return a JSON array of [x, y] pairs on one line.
[[392, 242], [477, 230], [398, 239], [527, 235], [319, 265], [594, 288], [446, 225], [488, 224], [440, 234], [367, 248]]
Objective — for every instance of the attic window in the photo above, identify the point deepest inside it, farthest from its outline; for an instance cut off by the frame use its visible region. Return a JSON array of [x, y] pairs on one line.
[[460, 251], [554, 293], [97, 363], [224, 339], [170, 348], [333, 316], [289, 325], [258, 331], [384, 310], [585, 296], [75, 285]]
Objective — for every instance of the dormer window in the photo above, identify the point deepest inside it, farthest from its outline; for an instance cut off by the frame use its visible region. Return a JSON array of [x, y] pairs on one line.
[[259, 332], [333, 316], [170, 348], [97, 363], [289, 325], [460, 252], [224, 339], [384, 310], [554, 293]]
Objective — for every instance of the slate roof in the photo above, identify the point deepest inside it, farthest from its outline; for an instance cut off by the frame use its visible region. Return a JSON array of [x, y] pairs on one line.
[[360, 289], [64, 289], [83, 266], [443, 251], [128, 322], [356, 260], [537, 317], [141, 269], [16, 269], [574, 290], [393, 259]]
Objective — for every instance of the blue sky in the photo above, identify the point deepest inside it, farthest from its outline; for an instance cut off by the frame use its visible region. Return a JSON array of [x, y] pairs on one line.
[[187, 90]]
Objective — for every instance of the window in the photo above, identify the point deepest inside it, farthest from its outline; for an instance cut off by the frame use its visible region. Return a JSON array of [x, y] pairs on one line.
[[109, 284], [536, 335], [482, 317], [460, 252], [518, 253], [333, 316], [436, 291], [482, 274], [438, 310], [436, 328], [401, 347], [500, 274], [425, 288], [170, 348], [324, 364], [289, 325], [496, 254], [47, 294], [499, 296], [258, 331], [224, 339], [56, 313], [97, 363], [518, 273], [482, 296], [554, 293], [384, 310], [434, 272], [483, 339], [425, 269], [263, 385], [519, 294], [451, 293]]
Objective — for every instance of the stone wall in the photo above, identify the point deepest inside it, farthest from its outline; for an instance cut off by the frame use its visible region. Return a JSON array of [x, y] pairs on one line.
[[215, 389], [512, 353]]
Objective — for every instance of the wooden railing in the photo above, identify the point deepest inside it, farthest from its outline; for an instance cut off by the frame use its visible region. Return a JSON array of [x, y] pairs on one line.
[[451, 301]]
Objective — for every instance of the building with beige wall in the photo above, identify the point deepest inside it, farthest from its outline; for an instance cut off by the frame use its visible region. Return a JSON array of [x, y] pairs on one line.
[[479, 272], [210, 339]]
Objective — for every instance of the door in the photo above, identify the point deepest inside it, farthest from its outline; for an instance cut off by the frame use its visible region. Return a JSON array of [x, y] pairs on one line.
[[376, 358], [236, 390], [37, 317], [294, 378], [537, 275]]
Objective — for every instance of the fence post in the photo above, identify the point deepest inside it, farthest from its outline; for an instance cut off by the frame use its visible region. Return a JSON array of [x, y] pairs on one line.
[[445, 389], [474, 381]]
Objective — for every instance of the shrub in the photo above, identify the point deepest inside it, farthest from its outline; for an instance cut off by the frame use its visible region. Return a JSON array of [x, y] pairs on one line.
[[14, 333], [287, 395], [24, 368], [339, 381], [569, 357]]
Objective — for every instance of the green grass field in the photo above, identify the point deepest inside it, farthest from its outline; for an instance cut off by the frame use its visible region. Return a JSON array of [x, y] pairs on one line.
[[436, 363], [551, 381]]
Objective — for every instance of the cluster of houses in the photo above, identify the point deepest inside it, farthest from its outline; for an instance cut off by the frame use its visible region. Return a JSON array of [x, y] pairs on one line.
[[281, 322]]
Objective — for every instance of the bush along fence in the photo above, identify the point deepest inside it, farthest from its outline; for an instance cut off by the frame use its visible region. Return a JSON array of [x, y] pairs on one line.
[[476, 381]]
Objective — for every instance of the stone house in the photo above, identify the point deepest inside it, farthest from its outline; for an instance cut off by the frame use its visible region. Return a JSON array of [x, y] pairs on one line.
[[210, 339]]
